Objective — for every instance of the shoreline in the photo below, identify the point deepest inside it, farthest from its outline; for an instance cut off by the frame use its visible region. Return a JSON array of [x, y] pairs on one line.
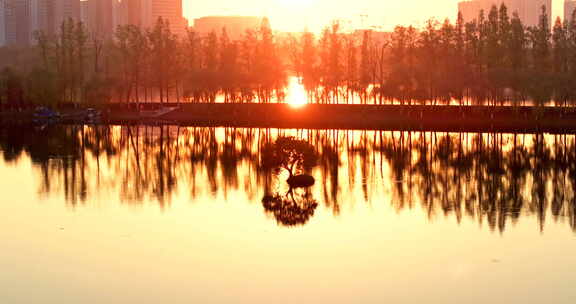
[[360, 117]]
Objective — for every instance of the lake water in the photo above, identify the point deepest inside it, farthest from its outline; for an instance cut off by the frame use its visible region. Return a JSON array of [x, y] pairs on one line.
[[115, 214]]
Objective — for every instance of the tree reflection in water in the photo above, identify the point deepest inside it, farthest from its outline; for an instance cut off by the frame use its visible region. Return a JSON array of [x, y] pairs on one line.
[[293, 209], [494, 179]]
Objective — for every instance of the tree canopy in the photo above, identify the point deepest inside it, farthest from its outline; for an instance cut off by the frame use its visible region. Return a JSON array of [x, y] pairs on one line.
[[293, 155], [494, 59]]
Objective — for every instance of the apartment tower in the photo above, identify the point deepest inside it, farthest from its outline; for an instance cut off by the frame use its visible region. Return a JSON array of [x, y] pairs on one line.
[[569, 7], [529, 11]]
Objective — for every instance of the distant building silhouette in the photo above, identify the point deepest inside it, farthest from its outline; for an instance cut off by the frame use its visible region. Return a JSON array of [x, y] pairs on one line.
[[59, 11], [375, 36], [130, 12], [19, 19], [40, 17], [235, 26], [145, 13], [528, 10], [99, 16], [569, 7], [84, 11], [2, 22], [17, 22]]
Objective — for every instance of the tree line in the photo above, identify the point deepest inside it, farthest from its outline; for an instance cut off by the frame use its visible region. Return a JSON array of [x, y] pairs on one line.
[[492, 60], [138, 65]]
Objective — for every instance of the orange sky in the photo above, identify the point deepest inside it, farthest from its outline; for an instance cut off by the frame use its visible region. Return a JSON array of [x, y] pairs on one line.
[[295, 15]]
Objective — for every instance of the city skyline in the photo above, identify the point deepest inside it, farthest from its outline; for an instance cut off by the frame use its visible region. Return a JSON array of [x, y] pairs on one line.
[[20, 19], [287, 15]]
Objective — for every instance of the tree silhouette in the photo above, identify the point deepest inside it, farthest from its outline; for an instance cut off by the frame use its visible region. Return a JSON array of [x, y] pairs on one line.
[[293, 155], [494, 60]]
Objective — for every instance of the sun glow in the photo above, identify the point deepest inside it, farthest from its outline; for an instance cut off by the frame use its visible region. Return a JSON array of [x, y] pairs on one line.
[[296, 3], [296, 96], [314, 15]]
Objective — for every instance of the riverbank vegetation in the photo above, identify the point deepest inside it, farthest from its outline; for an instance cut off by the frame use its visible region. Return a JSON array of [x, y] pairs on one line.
[[145, 65], [492, 60]]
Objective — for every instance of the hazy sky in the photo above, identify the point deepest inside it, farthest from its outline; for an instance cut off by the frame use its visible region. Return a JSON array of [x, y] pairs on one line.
[[297, 14]]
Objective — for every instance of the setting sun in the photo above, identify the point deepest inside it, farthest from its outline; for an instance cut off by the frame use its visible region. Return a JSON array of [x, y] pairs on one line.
[[291, 151], [296, 96]]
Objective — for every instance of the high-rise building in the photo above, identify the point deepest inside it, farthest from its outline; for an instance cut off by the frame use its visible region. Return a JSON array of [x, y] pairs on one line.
[[39, 15], [48, 15], [2, 23], [145, 13], [19, 19], [131, 12], [529, 11], [100, 17], [235, 26], [22, 18], [17, 22], [84, 11], [569, 8], [60, 11], [170, 10]]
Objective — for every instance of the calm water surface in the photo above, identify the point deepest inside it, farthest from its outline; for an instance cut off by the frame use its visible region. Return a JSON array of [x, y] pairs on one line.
[[176, 215]]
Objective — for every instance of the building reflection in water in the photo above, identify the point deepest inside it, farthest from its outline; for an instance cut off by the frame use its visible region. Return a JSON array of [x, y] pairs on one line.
[[494, 179]]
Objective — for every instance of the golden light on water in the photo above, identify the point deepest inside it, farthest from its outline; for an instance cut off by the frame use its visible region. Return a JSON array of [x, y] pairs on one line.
[[296, 96], [163, 208]]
